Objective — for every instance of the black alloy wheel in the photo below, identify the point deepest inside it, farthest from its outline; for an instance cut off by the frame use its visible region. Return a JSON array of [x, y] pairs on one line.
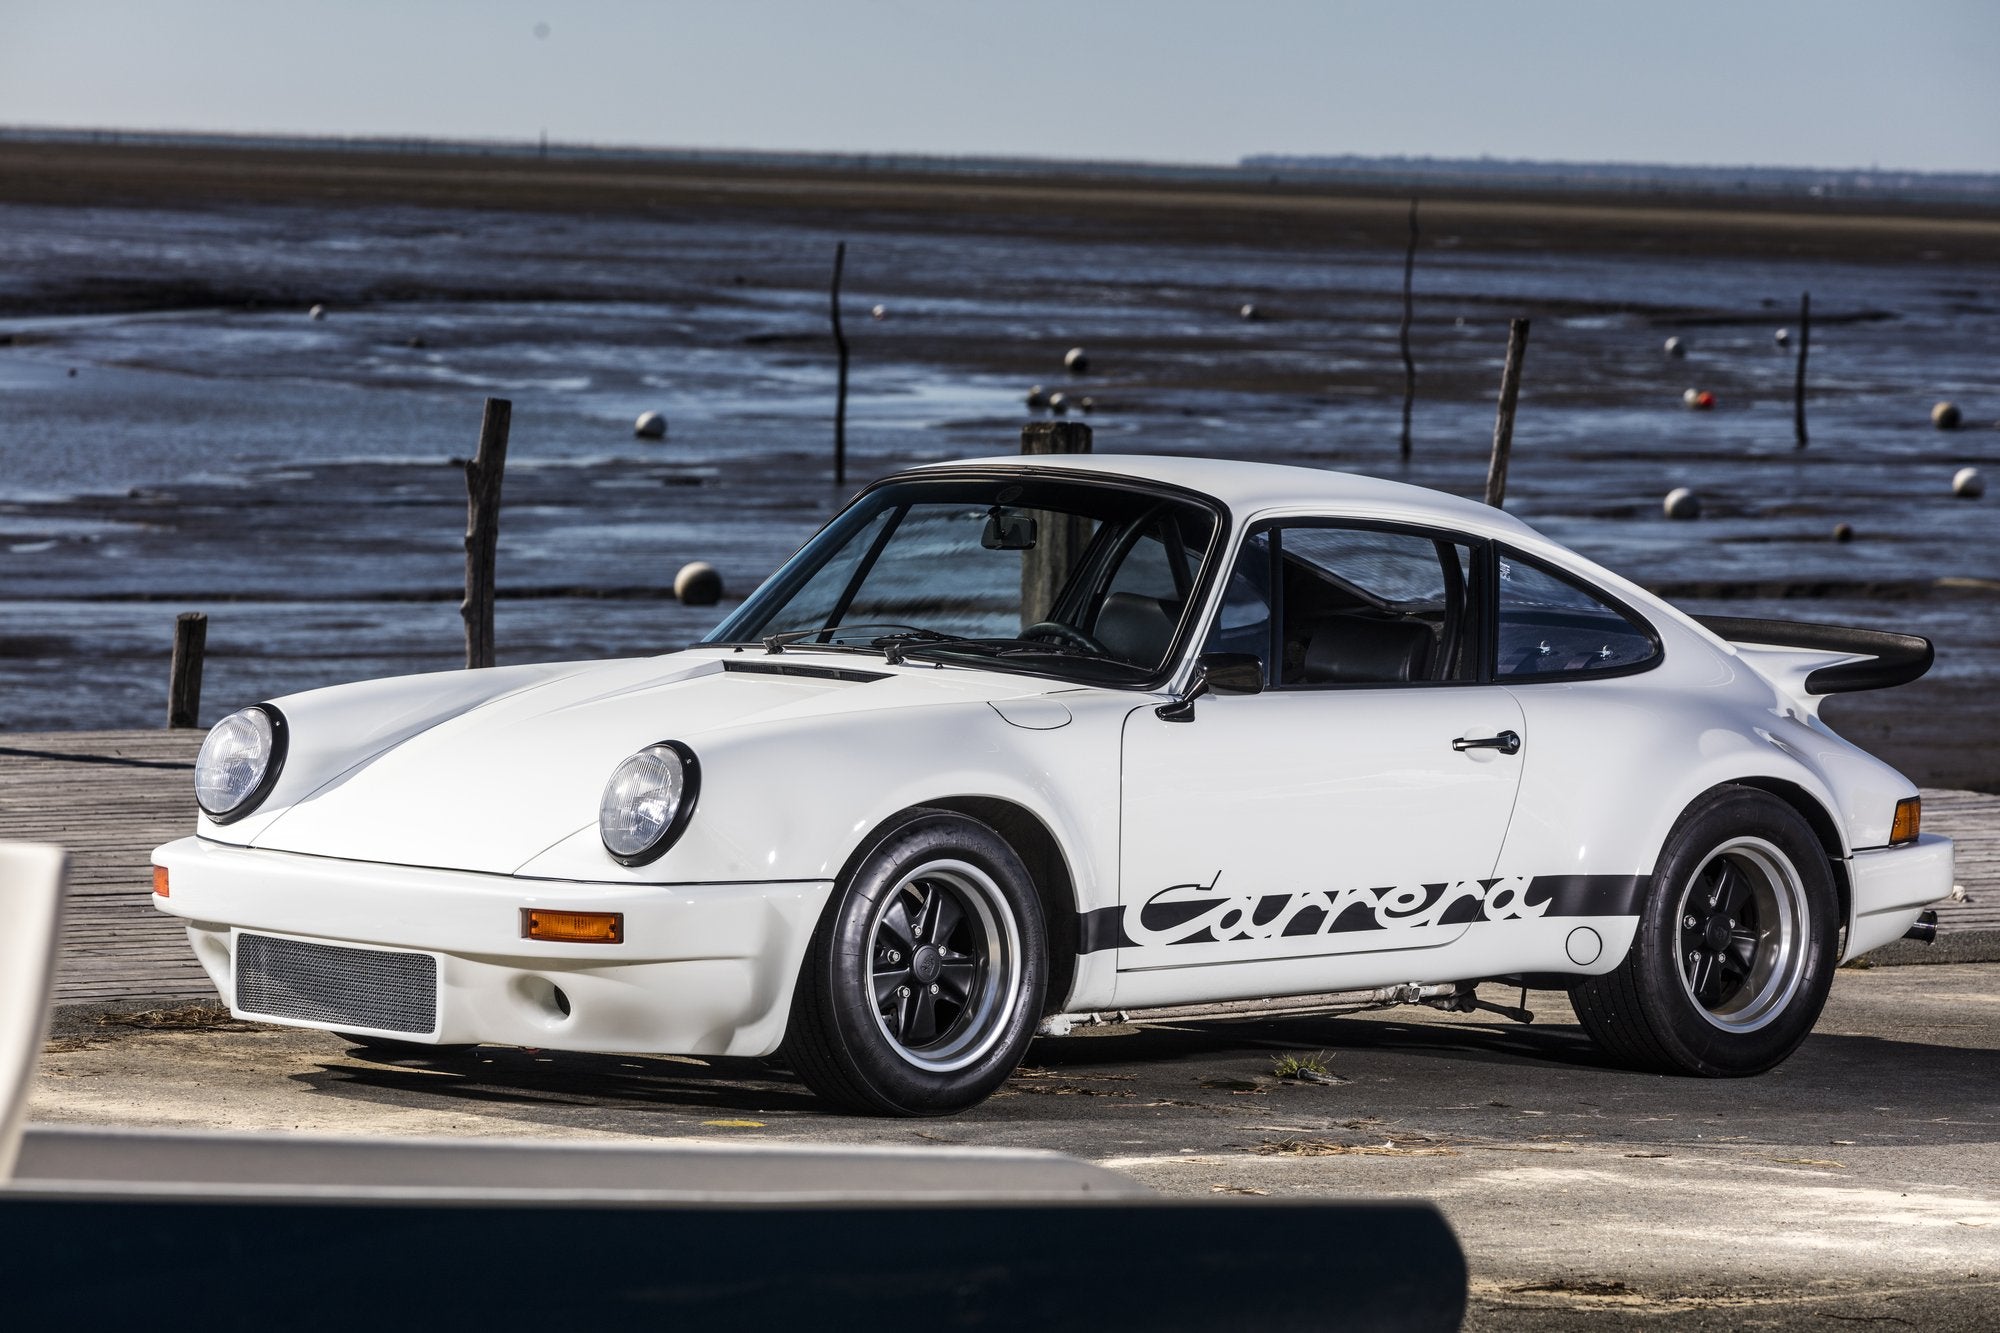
[[925, 979], [1735, 949]]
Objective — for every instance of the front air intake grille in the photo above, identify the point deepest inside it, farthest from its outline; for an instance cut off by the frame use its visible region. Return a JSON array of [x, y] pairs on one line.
[[335, 983]]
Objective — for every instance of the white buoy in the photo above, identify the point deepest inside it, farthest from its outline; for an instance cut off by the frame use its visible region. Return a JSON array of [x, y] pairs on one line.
[[1249, 310], [1037, 396], [698, 584], [1843, 532], [1783, 337], [879, 312], [1967, 484], [1683, 503], [650, 426], [1059, 403], [1675, 348], [1085, 404], [1946, 416], [1075, 361], [317, 312]]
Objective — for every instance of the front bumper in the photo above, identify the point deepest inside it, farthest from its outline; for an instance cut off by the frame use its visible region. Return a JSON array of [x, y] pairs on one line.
[[704, 969], [1888, 886]]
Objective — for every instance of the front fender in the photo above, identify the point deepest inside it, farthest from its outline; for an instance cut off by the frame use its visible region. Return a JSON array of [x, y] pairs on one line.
[[793, 800]]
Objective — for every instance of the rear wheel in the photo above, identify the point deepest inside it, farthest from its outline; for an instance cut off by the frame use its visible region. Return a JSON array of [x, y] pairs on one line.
[[1735, 950], [924, 982]]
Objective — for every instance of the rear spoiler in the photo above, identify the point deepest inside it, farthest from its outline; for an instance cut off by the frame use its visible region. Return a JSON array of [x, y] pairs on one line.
[[1892, 659]]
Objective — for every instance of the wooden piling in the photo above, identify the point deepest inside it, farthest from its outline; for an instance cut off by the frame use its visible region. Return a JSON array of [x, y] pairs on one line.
[[840, 403], [184, 676], [1503, 424], [482, 530], [1799, 376], [1061, 539], [1403, 336]]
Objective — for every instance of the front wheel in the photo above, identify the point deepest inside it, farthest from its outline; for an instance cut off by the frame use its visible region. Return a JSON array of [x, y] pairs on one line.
[[1735, 949], [924, 981]]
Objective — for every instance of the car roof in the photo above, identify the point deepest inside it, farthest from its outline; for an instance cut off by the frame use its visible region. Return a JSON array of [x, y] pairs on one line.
[[1249, 489]]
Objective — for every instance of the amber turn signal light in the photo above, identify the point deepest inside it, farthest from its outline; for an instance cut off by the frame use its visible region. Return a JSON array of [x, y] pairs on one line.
[[160, 881], [573, 927], [1909, 818]]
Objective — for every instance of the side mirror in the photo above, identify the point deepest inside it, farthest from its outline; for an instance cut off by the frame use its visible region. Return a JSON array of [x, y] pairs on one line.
[[1224, 673], [1233, 673]]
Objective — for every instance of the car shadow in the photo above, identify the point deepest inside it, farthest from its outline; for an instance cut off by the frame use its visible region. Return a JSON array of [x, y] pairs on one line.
[[551, 1080], [1837, 1086]]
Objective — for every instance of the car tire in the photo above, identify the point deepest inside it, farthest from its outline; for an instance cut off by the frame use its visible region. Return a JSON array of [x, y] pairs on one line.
[[924, 982], [1736, 946]]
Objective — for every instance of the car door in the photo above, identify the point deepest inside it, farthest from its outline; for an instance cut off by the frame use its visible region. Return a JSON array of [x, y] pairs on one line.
[[1357, 804]]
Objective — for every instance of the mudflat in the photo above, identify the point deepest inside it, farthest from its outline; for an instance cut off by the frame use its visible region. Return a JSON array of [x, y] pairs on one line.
[[178, 435]]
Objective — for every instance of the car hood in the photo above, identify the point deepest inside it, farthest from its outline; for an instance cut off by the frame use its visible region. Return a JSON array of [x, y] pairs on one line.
[[490, 787]]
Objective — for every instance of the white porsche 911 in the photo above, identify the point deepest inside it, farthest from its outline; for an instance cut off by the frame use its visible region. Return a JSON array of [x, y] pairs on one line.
[[1017, 740]]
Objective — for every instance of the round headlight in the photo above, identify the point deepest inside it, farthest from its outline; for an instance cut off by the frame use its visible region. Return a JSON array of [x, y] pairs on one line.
[[647, 802], [239, 762]]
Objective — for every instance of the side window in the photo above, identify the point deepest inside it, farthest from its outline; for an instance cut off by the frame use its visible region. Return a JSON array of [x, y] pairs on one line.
[[1364, 606], [1551, 627], [1244, 626]]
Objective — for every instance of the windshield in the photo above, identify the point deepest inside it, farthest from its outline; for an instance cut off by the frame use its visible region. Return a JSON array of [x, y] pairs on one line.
[[1093, 579]]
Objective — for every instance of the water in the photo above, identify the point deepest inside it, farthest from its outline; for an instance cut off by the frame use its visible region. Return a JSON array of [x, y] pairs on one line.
[[218, 451]]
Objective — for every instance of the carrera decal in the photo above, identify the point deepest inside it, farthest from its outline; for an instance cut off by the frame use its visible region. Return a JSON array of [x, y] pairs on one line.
[[1207, 914]]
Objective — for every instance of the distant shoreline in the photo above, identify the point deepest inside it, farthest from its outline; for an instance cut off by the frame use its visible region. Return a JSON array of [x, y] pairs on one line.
[[1215, 206]]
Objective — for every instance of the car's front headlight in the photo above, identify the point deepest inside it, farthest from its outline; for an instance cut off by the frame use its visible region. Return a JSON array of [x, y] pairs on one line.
[[647, 802], [239, 762]]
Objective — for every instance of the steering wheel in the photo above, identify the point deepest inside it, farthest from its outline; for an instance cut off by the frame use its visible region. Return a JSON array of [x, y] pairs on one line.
[[1068, 635]]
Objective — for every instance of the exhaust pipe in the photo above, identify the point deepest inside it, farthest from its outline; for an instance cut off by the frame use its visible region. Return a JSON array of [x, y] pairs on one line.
[[1926, 927]]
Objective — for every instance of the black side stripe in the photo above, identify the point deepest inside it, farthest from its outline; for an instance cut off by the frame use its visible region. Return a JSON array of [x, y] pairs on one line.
[[1545, 895]]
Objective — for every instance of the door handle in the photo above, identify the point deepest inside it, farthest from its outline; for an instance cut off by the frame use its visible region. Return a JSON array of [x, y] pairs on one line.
[[1507, 742]]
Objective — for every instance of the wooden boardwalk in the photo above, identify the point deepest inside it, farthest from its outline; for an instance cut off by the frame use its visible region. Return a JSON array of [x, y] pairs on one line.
[[113, 796]]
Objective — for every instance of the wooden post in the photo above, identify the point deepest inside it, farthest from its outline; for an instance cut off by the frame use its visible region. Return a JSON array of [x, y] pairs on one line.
[[1799, 378], [1409, 363], [1061, 540], [184, 677], [840, 403], [482, 530], [1503, 425]]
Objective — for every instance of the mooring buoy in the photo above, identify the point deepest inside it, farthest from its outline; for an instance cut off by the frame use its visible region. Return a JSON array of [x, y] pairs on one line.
[[1075, 361], [1675, 348], [650, 426], [1783, 337], [1843, 532], [1249, 310], [1037, 396], [1946, 416], [317, 312], [698, 584], [1697, 400], [1967, 484], [1682, 503], [879, 312], [1059, 403], [1085, 404]]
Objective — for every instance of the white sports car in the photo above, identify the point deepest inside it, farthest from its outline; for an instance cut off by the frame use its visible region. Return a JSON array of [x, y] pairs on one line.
[[1023, 739]]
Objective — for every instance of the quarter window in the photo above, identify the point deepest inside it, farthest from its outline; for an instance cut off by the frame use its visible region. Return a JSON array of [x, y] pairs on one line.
[[1549, 626]]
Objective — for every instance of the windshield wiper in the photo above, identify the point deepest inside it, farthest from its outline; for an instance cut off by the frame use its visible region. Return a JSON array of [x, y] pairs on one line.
[[777, 643]]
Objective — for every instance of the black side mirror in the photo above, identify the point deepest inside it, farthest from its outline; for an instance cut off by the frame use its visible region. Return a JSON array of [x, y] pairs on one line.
[[1225, 673], [1233, 673]]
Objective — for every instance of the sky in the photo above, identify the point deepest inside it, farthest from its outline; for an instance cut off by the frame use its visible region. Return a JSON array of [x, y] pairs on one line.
[[1900, 84]]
